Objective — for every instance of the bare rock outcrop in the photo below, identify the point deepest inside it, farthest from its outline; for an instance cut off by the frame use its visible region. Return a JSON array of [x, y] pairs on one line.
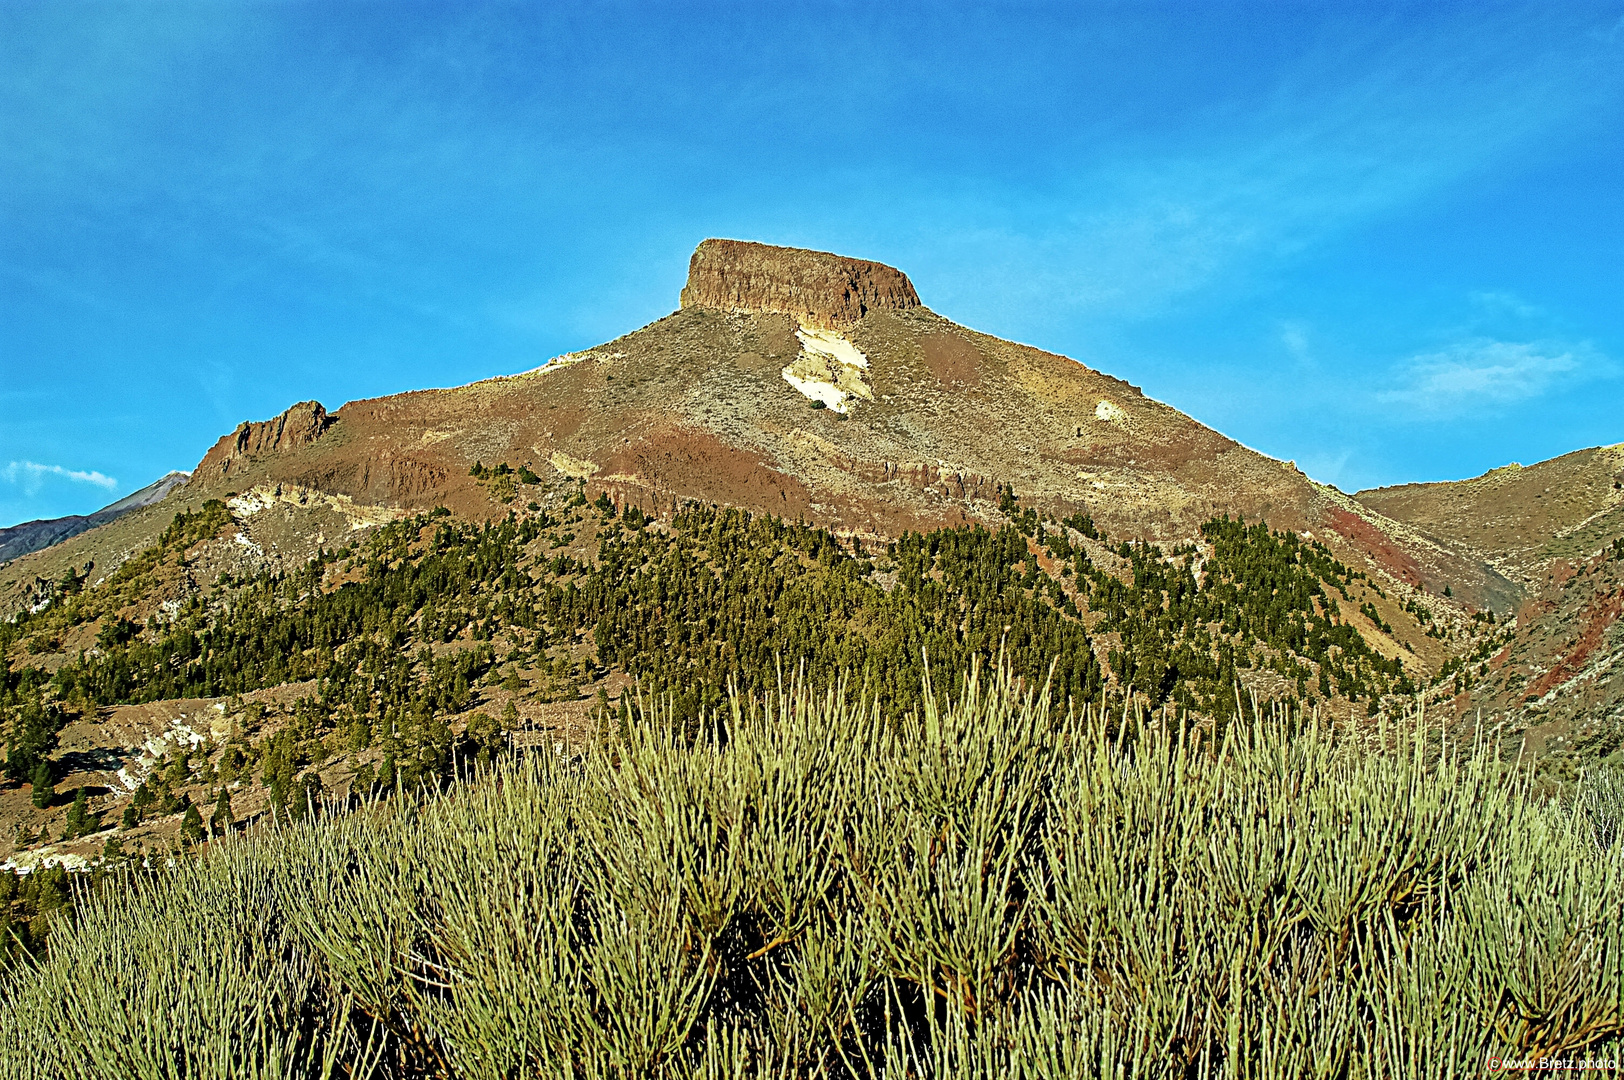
[[819, 289], [300, 425]]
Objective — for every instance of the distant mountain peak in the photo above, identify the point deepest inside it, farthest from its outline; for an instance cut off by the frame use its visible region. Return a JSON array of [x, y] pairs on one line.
[[30, 536], [818, 288], [148, 495]]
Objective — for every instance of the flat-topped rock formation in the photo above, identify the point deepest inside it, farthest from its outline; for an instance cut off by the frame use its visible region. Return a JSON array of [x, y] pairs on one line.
[[701, 406], [817, 288]]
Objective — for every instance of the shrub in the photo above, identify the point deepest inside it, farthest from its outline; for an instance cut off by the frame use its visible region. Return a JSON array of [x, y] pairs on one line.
[[805, 886]]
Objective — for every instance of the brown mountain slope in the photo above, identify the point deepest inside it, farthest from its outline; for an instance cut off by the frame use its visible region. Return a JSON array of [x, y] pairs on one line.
[[922, 423], [1520, 519], [1557, 528], [1556, 679]]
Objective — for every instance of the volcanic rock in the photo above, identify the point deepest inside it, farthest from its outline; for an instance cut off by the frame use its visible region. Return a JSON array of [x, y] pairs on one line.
[[818, 289], [300, 425]]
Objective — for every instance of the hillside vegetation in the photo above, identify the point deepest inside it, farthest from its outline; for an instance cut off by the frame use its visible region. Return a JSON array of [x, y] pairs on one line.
[[817, 888], [396, 655]]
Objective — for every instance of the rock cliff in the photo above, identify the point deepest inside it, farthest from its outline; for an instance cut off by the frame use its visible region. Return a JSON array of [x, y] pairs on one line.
[[819, 289], [300, 425]]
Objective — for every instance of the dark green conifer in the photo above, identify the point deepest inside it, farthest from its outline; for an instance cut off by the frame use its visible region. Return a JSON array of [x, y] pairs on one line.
[[191, 826], [79, 821], [44, 789], [222, 820]]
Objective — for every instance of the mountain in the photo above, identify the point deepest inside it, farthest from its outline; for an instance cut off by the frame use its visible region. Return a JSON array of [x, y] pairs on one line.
[[1555, 677], [1523, 521], [31, 536], [732, 577], [817, 387], [801, 464]]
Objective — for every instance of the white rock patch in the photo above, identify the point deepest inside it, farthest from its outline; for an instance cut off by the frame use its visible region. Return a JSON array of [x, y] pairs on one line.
[[155, 747], [834, 346], [130, 781], [578, 468], [557, 363], [26, 862], [564, 360], [264, 496], [1109, 411], [830, 369]]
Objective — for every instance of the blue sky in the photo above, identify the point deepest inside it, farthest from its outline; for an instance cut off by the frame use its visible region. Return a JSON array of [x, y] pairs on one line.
[[1386, 242]]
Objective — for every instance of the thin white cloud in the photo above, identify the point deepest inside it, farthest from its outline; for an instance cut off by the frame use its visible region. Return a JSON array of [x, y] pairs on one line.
[[1486, 373], [1507, 303], [1348, 137], [30, 475], [1294, 336]]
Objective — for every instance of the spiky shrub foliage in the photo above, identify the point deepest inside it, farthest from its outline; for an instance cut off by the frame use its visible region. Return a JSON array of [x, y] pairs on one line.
[[808, 888]]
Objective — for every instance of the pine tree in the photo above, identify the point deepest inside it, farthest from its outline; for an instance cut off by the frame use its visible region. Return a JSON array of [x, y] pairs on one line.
[[79, 819], [222, 820], [44, 789], [191, 826]]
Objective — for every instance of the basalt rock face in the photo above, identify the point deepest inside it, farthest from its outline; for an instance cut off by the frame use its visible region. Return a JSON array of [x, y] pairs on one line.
[[300, 425], [816, 288]]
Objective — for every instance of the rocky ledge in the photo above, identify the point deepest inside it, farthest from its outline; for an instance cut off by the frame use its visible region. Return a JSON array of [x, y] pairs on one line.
[[819, 289], [301, 425]]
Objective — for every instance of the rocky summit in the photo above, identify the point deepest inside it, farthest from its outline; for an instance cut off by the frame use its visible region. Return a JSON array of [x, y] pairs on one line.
[[816, 288], [300, 425]]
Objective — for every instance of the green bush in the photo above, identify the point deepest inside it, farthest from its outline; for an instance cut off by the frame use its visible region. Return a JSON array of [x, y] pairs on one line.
[[81, 822], [191, 527], [808, 887]]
